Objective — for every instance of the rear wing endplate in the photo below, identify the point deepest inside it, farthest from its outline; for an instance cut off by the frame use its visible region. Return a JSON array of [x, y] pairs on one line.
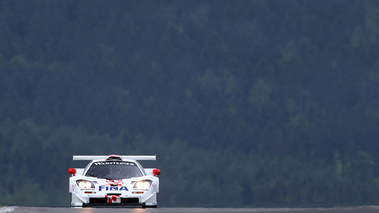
[[124, 157]]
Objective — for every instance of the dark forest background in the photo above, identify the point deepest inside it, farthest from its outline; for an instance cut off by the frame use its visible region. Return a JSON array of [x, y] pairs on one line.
[[245, 103]]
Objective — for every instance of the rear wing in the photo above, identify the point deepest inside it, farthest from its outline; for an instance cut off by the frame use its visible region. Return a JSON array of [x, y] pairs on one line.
[[124, 157]]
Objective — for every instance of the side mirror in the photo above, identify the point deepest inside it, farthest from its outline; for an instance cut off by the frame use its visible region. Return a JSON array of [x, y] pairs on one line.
[[156, 172], [72, 171]]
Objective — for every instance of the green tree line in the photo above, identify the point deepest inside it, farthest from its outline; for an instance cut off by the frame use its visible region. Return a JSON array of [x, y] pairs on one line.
[[245, 103]]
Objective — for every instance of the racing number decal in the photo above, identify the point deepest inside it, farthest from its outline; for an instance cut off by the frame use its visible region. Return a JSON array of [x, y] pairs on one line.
[[113, 198]]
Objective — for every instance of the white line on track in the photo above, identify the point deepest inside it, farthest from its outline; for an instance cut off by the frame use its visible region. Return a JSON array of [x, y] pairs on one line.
[[7, 209]]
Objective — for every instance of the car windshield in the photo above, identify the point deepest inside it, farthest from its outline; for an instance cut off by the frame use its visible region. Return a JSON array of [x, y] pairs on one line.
[[114, 170]]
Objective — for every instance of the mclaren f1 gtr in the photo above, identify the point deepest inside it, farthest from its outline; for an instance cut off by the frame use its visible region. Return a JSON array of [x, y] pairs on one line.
[[114, 181]]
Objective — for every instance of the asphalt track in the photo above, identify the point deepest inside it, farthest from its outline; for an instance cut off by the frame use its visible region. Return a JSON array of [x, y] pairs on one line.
[[360, 209]]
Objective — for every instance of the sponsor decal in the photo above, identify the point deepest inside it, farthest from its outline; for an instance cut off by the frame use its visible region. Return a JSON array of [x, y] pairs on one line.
[[89, 189], [114, 182], [102, 163], [112, 188], [113, 185]]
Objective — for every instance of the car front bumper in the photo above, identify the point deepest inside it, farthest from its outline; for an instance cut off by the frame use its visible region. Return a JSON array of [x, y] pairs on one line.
[[147, 200]]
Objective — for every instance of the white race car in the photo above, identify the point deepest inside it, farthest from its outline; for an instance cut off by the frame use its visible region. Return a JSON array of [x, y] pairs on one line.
[[114, 181]]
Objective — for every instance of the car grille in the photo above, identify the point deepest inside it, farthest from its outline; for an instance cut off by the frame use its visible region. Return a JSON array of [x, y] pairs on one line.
[[101, 200]]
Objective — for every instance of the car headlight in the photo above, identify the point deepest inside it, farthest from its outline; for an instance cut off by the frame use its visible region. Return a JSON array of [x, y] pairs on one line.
[[142, 184], [85, 184]]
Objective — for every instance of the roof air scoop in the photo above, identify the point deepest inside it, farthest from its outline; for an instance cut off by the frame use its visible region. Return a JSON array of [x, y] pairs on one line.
[[114, 158]]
